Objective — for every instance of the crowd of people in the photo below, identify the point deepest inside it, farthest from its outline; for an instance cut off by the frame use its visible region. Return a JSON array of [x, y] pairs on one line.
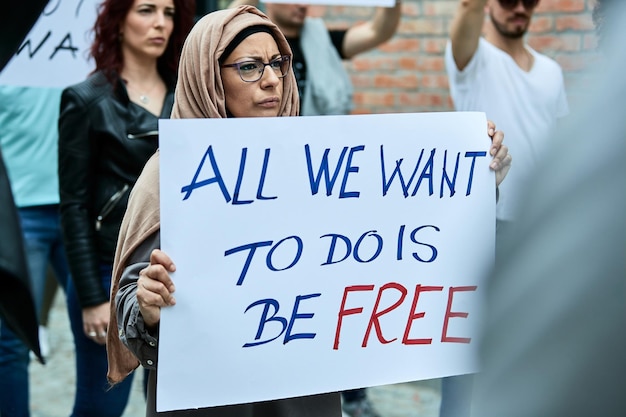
[[74, 155]]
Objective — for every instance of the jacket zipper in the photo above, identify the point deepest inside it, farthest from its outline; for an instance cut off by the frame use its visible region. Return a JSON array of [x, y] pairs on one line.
[[108, 207], [143, 135]]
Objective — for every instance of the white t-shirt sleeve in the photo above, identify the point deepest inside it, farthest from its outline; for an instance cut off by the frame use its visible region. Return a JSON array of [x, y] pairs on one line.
[[469, 69]]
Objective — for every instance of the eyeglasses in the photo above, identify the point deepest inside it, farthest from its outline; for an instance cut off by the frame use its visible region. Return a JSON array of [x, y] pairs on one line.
[[251, 71], [510, 4]]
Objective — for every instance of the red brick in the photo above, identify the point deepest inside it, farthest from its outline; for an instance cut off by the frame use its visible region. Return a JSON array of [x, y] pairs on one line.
[[434, 45], [575, 22], [361, 81], [377, 98], [561, 6], [367, 62], [542, 24], [434, 81], [395, 81], [440, 8], [424, 100], [408, 63], [556, 43], [361, 110], [432, 63], [400, 45], [423, 26], [410, 9]]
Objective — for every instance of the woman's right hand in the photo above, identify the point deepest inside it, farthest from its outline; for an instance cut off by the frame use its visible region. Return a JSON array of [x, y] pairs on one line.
[[155, 287]]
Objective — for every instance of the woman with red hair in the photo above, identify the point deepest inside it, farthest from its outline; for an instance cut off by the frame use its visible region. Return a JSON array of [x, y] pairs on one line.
[[108, 128]]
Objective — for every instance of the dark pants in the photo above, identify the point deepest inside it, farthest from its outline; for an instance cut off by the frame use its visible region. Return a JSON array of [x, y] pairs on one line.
[[94, 396]]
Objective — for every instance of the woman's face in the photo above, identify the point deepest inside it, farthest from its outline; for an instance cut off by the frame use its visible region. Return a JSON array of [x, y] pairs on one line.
[[261, 98], [147, 28]]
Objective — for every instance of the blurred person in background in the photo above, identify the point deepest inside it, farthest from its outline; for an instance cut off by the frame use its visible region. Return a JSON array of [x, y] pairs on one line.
[[17, 307], [501, 75], [492, 69], [555, 342], [29, 138], [108, 128]]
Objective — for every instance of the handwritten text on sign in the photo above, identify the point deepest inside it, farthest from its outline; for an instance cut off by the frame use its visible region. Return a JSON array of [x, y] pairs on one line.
[[55, 51], [317, 254]]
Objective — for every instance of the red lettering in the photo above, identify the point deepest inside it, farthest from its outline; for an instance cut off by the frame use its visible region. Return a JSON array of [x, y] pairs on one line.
[[450, 314], [414, 316], [343, 312], [376, 315], [378, 311]]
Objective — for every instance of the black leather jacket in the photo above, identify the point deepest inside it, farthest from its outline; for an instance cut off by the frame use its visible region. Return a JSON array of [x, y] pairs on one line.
[[104, 142]]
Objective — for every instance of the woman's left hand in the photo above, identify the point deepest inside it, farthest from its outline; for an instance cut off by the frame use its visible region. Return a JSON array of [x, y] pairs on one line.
[[501, 162], [96, 322]]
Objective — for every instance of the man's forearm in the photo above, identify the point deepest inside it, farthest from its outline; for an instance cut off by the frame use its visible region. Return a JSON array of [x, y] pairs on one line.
[[466, 29], [366, 36], [386, 21]]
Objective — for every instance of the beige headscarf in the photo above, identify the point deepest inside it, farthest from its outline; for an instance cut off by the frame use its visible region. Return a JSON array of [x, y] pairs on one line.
[[199, 94]]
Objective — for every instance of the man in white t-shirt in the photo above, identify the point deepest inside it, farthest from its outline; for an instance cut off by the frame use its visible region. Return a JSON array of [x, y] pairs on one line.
[[521, 90]]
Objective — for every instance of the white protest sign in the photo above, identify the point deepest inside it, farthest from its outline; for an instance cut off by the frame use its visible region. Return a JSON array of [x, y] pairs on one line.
[[55, 51], [367, 3], [318, 254]]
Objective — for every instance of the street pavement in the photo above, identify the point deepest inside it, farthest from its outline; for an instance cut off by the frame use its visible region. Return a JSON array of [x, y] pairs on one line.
[[52, 385]]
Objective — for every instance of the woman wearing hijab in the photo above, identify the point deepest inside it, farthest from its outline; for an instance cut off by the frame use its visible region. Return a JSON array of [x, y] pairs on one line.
[[213, 83], [218, 78]]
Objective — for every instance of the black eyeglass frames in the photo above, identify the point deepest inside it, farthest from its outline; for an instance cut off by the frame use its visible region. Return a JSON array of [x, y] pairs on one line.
[[251, 71]]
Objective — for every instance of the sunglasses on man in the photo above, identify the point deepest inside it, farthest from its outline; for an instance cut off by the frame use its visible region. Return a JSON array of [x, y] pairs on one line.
[[511, 4]]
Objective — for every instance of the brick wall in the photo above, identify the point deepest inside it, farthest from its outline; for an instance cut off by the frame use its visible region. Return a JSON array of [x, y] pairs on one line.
[[407, 73]]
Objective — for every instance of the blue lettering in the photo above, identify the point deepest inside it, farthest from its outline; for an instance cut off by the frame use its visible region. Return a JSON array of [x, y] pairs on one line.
[[349, 169], [216, 179], [405, 186], [242, 165], [252, 247], [259, 192], [264, 319], [268, 259], [432, 248], [427, 172], [315, 180], [472, 155], [445, 178], [379, 248], [331, 250], [295, 315]]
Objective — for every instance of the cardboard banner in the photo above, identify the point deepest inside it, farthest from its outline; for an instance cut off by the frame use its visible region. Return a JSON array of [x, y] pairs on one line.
[[55, 51], [319, 254]]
